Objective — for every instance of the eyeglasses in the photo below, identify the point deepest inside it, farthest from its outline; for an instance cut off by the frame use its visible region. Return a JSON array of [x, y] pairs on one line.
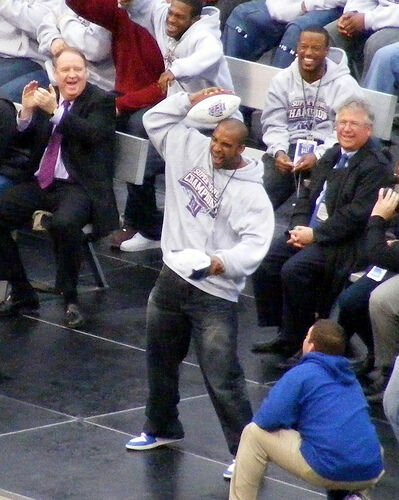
[[350, 124]]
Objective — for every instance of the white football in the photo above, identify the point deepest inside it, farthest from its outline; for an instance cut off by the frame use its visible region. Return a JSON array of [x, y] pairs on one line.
[[213, 108]]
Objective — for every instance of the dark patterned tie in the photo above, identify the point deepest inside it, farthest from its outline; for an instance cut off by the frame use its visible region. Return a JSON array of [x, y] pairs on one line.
[[45, 176]]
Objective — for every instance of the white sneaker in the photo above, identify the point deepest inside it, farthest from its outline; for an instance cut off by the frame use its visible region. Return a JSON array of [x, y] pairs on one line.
[[148, 442], [138, 243], [228, 473]]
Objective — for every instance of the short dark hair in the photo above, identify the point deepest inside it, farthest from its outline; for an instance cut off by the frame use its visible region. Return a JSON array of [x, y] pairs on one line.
[[320, 30], [196, 7], [328, 337], [72, 50], [238, 127]]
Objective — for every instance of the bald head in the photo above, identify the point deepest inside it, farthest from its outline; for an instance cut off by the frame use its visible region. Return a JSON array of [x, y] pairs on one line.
[[236, 129], [228, 142]]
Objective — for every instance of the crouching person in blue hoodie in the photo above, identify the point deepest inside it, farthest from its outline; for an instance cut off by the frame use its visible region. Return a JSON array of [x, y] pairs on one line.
[[314, 424]]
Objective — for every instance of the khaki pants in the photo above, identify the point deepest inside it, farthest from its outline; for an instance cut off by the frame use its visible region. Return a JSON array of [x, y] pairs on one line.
[[258, 447]]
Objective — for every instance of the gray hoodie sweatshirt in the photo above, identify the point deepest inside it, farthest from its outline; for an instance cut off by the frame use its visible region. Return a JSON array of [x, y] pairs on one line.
[[18, 22], [197, 59], [239, 232], [285, 119]]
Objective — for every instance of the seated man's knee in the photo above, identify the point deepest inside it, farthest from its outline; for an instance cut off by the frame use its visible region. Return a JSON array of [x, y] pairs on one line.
[[348, 301], [289, 271], [62, 225]]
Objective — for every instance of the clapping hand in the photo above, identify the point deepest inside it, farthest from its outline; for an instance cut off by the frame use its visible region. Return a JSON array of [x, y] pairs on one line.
[[46, 99], [28, 100]]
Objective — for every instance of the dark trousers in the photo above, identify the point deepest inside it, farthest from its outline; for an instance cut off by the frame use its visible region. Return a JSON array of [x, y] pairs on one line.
[[141, 210], [280, 186], [175, 319], [287, 287], [353, 305], [72, 210]]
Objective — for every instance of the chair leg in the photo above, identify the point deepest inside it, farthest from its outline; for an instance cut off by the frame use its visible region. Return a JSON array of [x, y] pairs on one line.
[[95, 264], [3, 290]]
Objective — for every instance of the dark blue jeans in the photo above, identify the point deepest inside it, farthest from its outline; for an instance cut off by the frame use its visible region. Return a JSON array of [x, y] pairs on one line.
[[16, 72], [177, 313], [250, 31], [353, 305]]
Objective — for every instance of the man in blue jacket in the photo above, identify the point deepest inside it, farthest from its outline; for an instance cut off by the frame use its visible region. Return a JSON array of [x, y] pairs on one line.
[[314, 423]]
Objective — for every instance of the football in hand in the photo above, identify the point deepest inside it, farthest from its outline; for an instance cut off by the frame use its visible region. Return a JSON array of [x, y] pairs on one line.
[[214, 107]]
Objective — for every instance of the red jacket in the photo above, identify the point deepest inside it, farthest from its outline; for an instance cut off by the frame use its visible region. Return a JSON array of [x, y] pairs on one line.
[[138, 60]]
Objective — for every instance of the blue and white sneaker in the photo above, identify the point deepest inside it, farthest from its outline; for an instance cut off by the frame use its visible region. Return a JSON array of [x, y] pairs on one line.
[[228, 473], [147, 442]]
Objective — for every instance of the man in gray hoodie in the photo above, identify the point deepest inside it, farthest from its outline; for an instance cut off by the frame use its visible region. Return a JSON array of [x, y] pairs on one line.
[[215, 205], [188, 36], [300, 111]]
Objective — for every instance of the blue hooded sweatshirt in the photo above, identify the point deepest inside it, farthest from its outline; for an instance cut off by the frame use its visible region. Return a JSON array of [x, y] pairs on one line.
[[322, 400]]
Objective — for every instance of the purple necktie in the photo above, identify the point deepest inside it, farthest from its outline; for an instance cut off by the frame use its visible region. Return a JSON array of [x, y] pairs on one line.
[[45, 176]]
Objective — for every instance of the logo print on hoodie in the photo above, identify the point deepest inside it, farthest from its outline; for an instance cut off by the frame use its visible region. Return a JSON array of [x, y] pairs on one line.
[[203, 195], [302, 115]]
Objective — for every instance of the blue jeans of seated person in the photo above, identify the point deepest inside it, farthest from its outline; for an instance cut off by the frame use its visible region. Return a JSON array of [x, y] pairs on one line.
[[173, 321], [353, 305], [16, 72], [383, 73], [5, 183], [250, 31], [391, 399], [141, 210]]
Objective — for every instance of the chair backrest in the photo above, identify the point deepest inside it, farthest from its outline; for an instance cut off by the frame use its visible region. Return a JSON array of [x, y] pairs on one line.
[[251, 81], [131, 158]]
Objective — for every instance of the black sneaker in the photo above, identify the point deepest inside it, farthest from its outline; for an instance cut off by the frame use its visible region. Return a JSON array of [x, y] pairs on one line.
[[276, 346], [13, 305], [289, 363], [375, 392]]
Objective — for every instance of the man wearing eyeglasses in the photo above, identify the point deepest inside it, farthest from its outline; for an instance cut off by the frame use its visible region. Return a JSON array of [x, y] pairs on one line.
[[307, 266]]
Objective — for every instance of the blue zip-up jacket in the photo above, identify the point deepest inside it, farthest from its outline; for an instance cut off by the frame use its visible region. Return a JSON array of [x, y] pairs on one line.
[[322, 400]]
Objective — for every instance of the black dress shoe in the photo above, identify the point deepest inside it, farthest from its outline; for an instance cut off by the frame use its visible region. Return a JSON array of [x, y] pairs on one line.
[[363, 366], [375, 392], [73, 316], [276, 346], [289, 363], [13, 306]]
